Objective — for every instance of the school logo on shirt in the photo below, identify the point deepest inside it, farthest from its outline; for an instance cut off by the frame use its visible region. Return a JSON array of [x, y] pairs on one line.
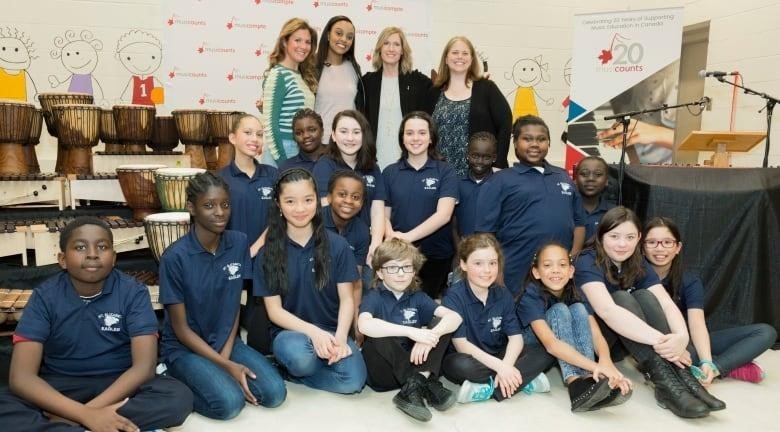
[[410, 316], [369, 180], [265, 192], [233, 270], [110, 321], [496, 323], [565, 188], [430, 183]]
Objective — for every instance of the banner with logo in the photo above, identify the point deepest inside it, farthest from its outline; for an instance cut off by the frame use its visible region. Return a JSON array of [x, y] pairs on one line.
[[624, 61], [215, 51]]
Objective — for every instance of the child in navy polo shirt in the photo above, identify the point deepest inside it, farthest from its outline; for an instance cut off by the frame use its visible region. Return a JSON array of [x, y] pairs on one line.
[[352, 147], [590, 175], [201, 278], [552, 312], [397, 350], [307, 133], [306, 274], [422, 191], [488, 344], [627, 295], [480, 154], [86, 347], [530, 203]]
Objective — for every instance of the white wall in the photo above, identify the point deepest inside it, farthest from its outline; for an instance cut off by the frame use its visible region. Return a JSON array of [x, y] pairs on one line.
[[743, 37]]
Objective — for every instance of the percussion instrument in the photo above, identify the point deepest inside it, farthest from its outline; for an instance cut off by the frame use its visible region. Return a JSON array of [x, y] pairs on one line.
[[79, 128], [36, 127], [12, 302], [32, 188], [12, 242], [171, 186], [210, 154], [108, 132], [15, 120], [138, 186], [134, 126], [165, 137], [48, 100], [162, 229], [220, 123], [193, 130]]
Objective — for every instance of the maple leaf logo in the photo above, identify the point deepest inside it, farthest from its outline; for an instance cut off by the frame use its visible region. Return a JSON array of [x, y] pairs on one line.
[[370, 7], [172, 74], [257, 2], [259, 52], [606, 56], [231, 75], [368, 57], [229, 24], [201, 48], [316, 4], [202, 100]]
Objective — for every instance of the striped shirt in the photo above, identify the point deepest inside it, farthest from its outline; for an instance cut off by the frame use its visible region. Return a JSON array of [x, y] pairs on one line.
[[284, 93]]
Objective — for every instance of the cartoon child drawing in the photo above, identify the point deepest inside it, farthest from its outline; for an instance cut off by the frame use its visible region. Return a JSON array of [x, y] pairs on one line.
[[16, 54], [141, 54], [526, 74], [79, 56]]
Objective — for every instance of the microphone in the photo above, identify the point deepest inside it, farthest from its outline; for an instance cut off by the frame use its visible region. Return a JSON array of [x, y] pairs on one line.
[[717, 74]]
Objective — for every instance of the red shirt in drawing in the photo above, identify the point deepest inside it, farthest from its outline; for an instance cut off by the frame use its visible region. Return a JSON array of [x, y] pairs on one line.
[[142, 90]]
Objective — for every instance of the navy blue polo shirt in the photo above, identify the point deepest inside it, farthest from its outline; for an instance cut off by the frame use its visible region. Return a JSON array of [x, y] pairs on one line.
[[249, 198], [487, 326], [691, 294], [375, 187], [593, 218], [526, 208], [302, 297], [466, 210], [356, 233], [209, 286], [535, 302], [412, 309], [298, 161], [414, 195], [589, 271], [87, 338]]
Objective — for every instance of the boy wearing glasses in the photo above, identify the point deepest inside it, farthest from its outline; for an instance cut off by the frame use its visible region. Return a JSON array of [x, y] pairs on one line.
[[531, 203], [404, 346]]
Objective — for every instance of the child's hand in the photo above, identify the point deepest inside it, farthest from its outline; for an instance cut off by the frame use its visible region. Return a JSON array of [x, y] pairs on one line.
[[239, 373], [108, 420], [607, 369], [423, 336], [420, 353], [672, 347], [508, 380], [324, 343], [710, 374], [340, 350]]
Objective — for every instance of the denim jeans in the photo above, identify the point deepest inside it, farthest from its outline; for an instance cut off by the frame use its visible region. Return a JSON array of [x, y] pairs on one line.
[[294, 351], [736, 346], [290, 150], [570, 324], [217, 394]]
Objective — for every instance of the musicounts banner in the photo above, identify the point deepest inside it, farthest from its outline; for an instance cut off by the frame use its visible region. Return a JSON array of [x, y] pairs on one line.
[[624, 61]]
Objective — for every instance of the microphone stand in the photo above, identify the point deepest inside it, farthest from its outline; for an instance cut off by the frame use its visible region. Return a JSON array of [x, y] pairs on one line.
[[625, 119], [769, 107]]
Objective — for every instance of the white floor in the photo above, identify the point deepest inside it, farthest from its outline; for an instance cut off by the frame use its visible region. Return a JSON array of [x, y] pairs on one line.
[[751, 407]]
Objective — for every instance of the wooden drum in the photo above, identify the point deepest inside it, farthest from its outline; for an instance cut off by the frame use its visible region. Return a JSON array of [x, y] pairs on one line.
[[79, 130], [48, 100], [193, 130], [165, 137], [36, 127], [134, 126], [220, 123], [171, 186], [162, 229], [108, 132], [138, 186], [15, 120]]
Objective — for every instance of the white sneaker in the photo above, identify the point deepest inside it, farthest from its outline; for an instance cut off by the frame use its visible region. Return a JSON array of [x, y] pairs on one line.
[[474, 392], [540, 384]]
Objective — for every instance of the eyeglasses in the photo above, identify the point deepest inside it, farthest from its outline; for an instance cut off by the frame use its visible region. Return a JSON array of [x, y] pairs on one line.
[[541, 139], [476, 157], [666, 243], [393, 269]]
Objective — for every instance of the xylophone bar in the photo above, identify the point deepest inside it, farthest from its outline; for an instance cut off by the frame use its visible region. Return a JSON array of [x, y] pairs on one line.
[[32, 188]]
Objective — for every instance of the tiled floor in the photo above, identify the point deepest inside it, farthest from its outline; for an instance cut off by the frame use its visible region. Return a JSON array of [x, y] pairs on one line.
[[751, 407]]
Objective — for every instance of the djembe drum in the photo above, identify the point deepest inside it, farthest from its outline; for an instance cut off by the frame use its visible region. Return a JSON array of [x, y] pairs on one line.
[[171, 186], [220, 123], [134, 126], [193, 130], [108, 132], [79, 129], [165, 137], [162, 229], [15, 120], [48, 100], [36, 127], [138, 186]]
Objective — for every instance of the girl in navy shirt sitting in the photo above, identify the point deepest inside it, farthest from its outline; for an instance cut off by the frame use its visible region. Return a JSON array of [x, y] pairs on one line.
[[627, 295], [201, 278], [488, 361], [720, 353], [552, 312], [306, 274], [398, 351]]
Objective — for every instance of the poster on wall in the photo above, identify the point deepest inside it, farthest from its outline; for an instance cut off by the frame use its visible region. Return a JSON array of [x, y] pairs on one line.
[[624, 61], [215, 52]]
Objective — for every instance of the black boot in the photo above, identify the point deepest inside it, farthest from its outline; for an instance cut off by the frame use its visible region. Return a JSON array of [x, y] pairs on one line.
[[615, 398], [410, 398], [696, 389], [671, 392], [586, 392]]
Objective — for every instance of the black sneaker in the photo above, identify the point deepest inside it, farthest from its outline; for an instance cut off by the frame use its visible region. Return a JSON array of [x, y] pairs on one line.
[[586, 392], [437, 395], [410, 399]]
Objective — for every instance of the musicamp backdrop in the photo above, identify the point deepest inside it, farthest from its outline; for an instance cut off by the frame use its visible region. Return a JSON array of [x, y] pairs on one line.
[[215, 52]]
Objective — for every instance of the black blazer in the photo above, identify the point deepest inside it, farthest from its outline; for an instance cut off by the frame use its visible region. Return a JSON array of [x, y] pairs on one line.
[[413, 87]]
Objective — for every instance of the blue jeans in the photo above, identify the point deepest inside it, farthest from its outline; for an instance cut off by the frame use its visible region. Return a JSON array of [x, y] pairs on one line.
[[290, 149], [570, 325], [736, 346], [294, 351], [217, 394]]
